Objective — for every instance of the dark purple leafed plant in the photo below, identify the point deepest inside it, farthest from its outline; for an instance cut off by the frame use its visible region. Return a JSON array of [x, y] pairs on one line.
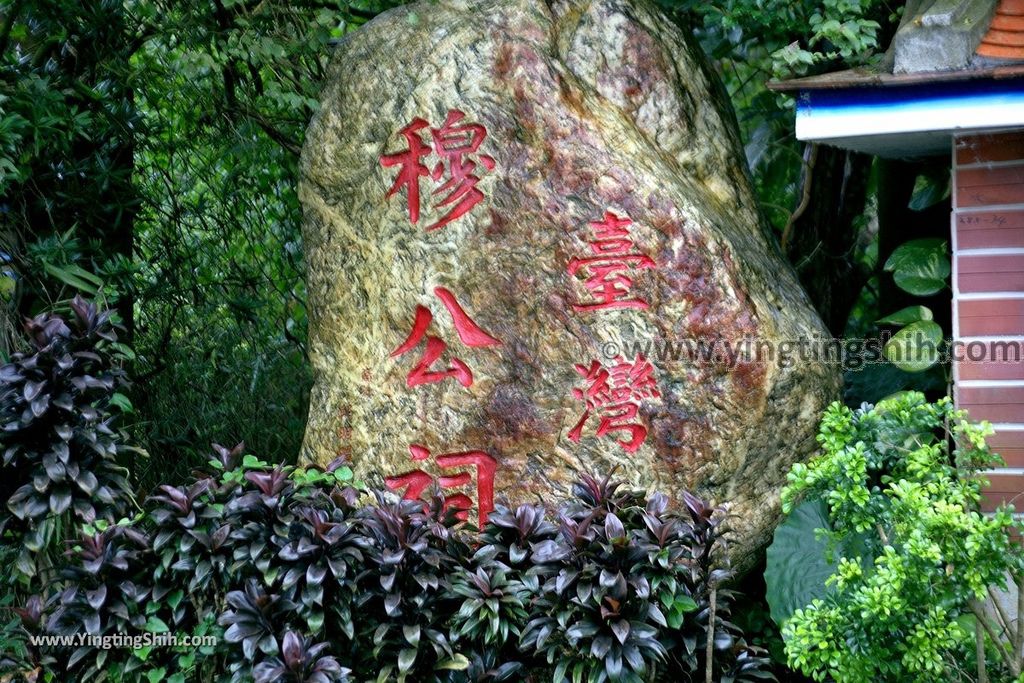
[[254, 618], [300, 662], [103, 594], [622, 592], [302, 583], [412, 551], [59, 447]]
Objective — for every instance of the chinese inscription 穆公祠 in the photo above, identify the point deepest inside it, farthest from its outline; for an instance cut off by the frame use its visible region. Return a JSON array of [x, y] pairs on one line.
[[456, 175]]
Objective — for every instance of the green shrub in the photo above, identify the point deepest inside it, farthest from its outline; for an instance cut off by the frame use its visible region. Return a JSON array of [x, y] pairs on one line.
[[902, 484]]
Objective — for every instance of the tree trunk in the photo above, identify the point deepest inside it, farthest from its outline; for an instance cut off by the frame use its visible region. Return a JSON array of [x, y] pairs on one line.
[[822, 240]]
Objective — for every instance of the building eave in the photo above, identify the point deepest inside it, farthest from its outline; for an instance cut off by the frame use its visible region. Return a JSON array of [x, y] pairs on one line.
[[910, 119], [868, 78]]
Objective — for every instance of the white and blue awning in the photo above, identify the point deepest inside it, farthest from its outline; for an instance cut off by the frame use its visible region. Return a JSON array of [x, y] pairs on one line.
[[903, 117]]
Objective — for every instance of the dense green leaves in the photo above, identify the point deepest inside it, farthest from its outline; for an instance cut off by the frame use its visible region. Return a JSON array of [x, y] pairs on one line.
[[67, 133], [904, 476], [840, 29], [148, 156]]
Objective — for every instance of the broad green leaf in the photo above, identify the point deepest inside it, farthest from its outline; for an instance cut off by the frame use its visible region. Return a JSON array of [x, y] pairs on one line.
[[69, 278], [25, 563], [250, 462], [122, 402], [798, 560], [920, 286], [174, 598], [905, 316], [315, 620], [406, 658], [124, 350], [456, 662], [78, 271], [684, 603], [930, 189], [156, 625], [916, 347], [920, 267]]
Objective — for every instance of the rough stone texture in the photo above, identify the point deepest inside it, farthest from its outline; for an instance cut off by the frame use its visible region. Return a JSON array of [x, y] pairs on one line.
[[589, 107]]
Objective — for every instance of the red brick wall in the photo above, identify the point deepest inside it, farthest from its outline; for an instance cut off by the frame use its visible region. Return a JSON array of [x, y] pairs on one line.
[[988, 296]]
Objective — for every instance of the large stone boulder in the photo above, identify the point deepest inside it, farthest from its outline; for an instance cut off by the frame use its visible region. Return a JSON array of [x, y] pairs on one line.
[[512, 207]]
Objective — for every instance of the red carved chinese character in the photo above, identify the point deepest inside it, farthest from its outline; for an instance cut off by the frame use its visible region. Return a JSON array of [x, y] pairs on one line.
[[469, 332], [606, 278], [413, 484], [615, 396], [411, 166], [454, 142], [454, 175]]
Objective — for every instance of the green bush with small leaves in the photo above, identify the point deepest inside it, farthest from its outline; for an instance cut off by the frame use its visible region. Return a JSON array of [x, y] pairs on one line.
[[904, 479]]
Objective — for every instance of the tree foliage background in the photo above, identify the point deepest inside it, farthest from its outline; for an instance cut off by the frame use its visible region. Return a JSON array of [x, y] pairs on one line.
[[148, 154]]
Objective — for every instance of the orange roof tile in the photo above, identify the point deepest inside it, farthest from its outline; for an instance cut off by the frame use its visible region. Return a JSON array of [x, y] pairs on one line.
[[1007, 22], [1005, 37], [1014, 7], [1009, 38]]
